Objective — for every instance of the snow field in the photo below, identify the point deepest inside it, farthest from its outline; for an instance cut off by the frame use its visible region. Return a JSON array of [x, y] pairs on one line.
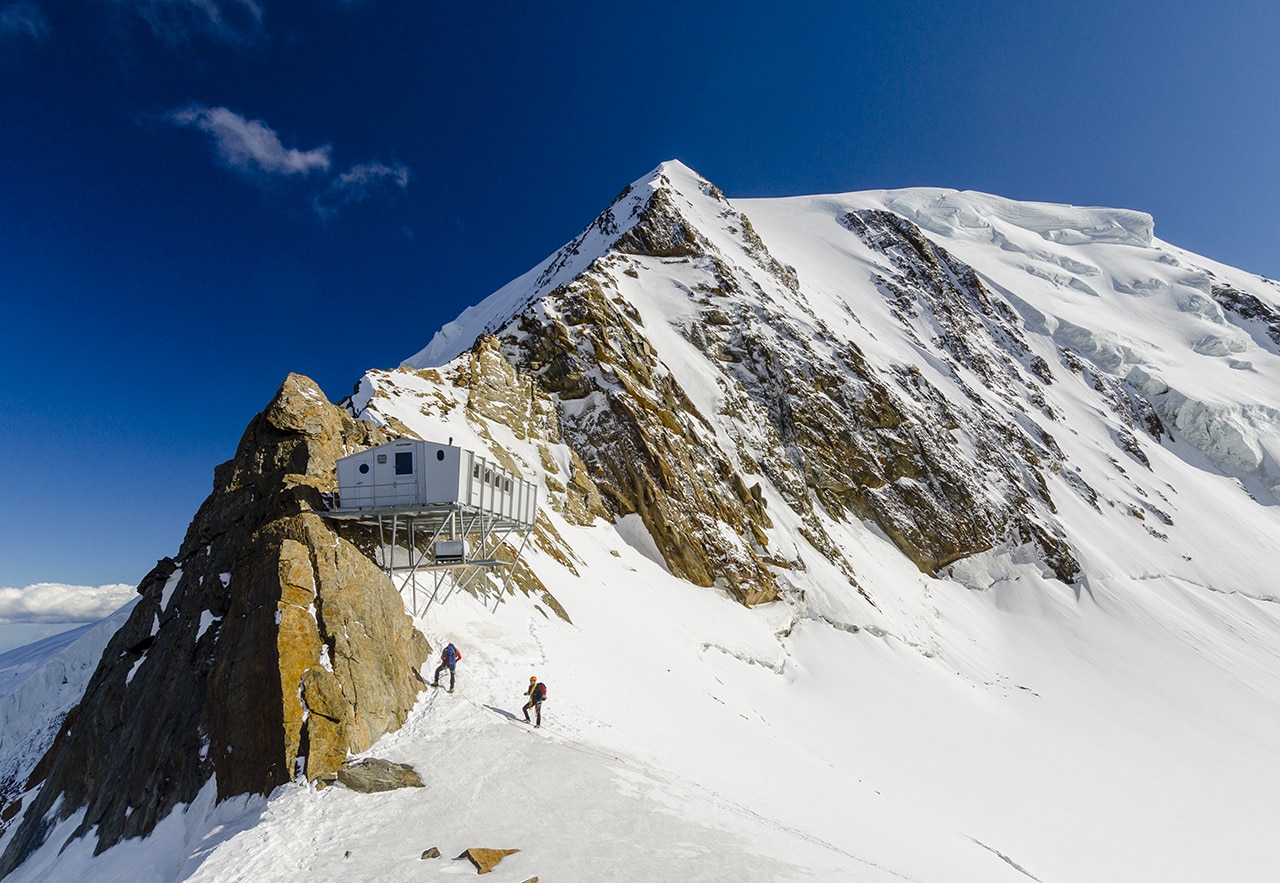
[[1121, 734], [990, 725], [1019, 728]]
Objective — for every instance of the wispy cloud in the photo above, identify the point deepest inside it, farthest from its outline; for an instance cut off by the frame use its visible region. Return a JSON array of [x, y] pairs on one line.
[[253, 149], [250, 146], [54, 602], [23, 21], [175, 22], [358, 184]]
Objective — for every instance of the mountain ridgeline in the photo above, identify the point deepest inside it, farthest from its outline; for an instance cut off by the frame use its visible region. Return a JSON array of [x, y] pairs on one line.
[[975, 381], [848, 364], [797, 403]]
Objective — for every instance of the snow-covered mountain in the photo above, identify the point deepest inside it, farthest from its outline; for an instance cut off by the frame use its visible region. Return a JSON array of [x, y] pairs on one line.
[[900, 535]]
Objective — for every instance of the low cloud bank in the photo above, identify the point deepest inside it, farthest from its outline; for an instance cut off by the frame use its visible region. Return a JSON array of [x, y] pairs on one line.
[[54, 602]]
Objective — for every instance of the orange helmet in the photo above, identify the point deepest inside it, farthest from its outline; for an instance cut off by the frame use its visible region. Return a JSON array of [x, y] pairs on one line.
[[534, 678]]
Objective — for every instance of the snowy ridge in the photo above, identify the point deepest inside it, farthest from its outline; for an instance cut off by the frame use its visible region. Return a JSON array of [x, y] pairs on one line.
[[565, 264], [980, 216], [40, 681], [881, 720], [39, 684]]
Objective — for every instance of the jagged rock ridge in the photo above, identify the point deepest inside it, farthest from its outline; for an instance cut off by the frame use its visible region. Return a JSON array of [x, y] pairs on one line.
[[270, 648]]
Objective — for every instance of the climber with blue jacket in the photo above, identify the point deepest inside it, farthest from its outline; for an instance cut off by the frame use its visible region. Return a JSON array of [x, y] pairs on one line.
[[448, 659]]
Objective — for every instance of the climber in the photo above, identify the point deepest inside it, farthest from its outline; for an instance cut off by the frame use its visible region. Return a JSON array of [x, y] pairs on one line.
[[448, 659], [537, 693]]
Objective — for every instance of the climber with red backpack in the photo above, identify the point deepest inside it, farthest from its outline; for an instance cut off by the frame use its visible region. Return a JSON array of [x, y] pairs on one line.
[[537, 693], [448, 659]]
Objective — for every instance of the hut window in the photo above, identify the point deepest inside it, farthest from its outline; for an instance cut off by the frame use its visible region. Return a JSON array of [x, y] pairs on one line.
[[440, 455], [404, 463], [382, 458], [475, 471], [364, 468]]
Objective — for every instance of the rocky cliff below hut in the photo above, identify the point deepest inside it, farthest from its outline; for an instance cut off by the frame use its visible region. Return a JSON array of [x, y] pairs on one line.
[[269, 649]]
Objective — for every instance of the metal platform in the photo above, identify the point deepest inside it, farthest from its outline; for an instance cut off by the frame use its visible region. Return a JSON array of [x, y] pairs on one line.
[[431, 517], [484, 528]]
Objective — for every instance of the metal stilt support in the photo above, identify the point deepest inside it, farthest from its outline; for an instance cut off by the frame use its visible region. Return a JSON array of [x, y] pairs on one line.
[[487, 524]]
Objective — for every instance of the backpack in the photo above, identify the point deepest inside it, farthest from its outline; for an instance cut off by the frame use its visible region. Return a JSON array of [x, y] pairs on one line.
[[540, 692], [450, 655]]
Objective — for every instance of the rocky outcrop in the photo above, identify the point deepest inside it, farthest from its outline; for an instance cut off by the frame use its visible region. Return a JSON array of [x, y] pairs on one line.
[[1249, 310], [371, 775], [647, 449], [486, 860], [269, 648], [827, 429]]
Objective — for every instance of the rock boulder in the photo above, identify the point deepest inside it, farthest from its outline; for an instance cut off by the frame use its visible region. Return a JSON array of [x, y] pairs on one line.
[[371, 775], [486, 860]]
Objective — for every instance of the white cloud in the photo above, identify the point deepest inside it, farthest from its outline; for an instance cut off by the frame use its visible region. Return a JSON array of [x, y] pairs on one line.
[[358, 184], [250, 146], [24, 20], [174, 22], [253, 148], [54, 602]]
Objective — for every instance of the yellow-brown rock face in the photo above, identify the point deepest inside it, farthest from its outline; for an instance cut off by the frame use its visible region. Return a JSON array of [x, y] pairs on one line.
[[270, 648]]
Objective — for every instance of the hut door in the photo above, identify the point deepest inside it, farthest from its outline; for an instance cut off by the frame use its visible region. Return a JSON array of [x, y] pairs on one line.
[[361, 489], [406, 478]]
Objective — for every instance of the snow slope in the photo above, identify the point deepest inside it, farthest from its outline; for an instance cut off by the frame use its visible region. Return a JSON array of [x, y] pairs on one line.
[[39, 683], [1120, 735], [987, 724], [1099, 282]]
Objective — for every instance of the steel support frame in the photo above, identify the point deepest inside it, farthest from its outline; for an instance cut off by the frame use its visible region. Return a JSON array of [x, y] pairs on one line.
[[480, 522]]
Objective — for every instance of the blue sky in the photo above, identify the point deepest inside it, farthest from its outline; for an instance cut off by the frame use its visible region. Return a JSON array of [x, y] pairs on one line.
[[199, 196]]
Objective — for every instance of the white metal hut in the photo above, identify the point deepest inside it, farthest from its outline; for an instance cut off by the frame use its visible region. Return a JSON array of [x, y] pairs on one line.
[[414, 474], [448, 495], [411, 474]]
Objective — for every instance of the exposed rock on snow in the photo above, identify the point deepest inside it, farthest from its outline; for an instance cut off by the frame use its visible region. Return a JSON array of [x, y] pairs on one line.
[[486, 860], [818, 423], [830, 435], [370, 775], [178, 698], [1250, 310]]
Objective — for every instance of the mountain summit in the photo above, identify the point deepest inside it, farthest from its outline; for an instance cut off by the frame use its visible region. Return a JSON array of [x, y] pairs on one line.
[[955, 368], [912, 534]]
